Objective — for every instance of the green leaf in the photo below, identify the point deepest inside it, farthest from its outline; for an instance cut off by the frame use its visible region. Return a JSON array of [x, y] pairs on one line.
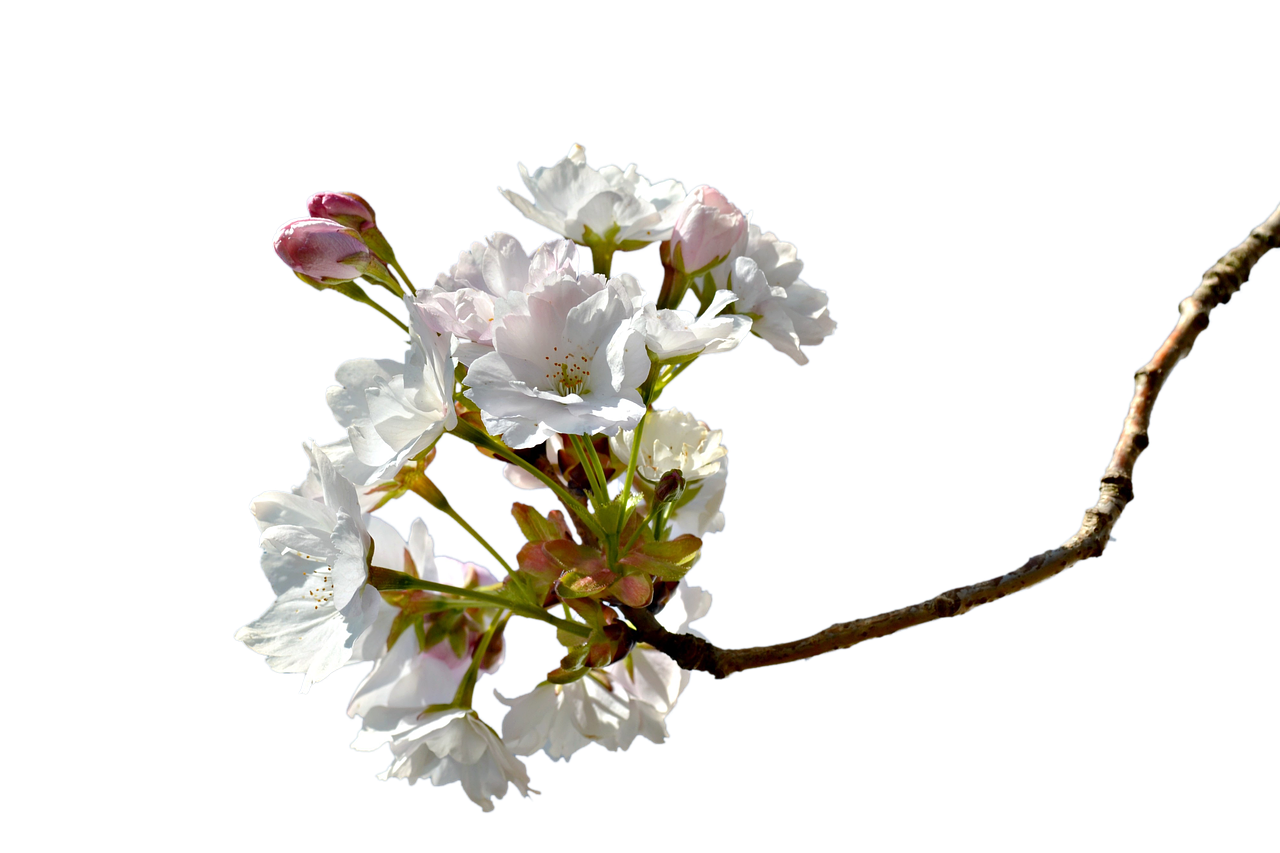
[[633, 590], [681, 550]]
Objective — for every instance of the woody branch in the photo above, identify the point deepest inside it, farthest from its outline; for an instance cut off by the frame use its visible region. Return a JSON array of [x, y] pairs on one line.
[[1218, 285]]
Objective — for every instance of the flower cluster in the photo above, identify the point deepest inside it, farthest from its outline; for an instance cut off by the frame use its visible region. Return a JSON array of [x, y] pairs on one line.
[[550, 365]]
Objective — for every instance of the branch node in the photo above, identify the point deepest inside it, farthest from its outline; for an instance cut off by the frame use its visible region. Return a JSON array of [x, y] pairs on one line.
[[1123, 486], [947, 605]]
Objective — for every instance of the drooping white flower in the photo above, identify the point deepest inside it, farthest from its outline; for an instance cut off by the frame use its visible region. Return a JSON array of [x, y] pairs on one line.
[[609, 707], [652, 680], [563, 718], [345, 463], [676, 333], [672, 441], [408, 678], [315, 554], [452, 746], [566, 359], [612, 204], [393, 410], [765, 274], [465, 301]]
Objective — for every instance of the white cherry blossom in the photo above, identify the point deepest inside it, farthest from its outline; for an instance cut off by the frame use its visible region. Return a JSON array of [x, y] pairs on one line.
[[566, 359], [609, 707], [786, 312], [315, 556], [673, 441], [563, 718], [449, 747], [395, 410], [675, 333], [612, 204]]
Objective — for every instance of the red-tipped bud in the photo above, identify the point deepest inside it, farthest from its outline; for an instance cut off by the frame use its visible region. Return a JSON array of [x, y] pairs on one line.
[[323, 250], [347, 208], [670, 487]]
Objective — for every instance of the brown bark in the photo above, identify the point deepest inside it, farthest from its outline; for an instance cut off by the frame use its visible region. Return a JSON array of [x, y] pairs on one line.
[[1219, 283]]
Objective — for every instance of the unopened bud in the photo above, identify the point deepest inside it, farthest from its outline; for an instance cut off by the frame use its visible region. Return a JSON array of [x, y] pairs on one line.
[[612, 644], [706, 230], [323, 251], [347, 208], [670, 488]]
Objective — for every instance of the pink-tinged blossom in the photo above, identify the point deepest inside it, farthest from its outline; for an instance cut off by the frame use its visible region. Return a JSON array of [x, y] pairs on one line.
[[465, 301], [618, 205], [566, 359], [348, 209], [705, 231], [323, 250]]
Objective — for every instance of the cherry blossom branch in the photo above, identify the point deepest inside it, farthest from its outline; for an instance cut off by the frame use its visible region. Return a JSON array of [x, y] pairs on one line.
[[1220, 282]]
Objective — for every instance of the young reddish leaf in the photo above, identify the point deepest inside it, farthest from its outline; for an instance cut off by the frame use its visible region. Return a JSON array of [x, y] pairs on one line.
[[575, 584], [633, 590], [536, 563], [532, 524], [574, 557], [556, 517]]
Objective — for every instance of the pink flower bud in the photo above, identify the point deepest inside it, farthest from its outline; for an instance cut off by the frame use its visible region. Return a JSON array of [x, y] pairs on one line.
[[348, 208], [706, 230], [323, 250]]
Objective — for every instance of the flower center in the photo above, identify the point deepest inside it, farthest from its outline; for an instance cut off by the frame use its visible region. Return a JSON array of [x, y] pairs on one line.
[[322, 593], [567, 373]]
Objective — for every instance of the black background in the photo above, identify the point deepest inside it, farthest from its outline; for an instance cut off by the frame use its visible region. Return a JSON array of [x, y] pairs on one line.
[[996, 281]]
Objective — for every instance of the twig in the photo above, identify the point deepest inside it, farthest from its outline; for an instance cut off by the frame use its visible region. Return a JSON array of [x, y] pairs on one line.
[[1219, 283]]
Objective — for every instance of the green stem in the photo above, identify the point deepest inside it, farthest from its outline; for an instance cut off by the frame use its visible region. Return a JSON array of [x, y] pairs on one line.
[[354, 291], [466, 688], [590, 462], [670, 376], [649, 519], [426, 489], [602, 257], [472, 436], [629, 478], [380, 578], [396, 265]]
